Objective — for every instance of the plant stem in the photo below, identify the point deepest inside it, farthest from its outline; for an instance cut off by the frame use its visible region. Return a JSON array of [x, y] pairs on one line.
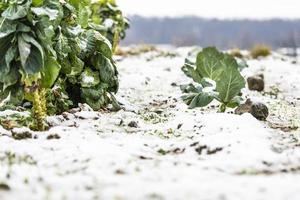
[[222, 108], [39, 108], [43, 100], [1, 24], [116, 41]]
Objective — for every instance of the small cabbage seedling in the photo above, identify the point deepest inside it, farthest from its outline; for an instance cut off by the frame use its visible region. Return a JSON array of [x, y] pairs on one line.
[[217, 77]]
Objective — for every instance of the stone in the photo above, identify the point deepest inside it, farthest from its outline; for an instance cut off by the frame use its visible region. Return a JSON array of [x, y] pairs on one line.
[[256, 83], [133, 124], [21, 133], [257, 109]]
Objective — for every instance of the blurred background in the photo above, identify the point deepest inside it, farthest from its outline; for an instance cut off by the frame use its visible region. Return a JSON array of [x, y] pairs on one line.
[[222, 23]]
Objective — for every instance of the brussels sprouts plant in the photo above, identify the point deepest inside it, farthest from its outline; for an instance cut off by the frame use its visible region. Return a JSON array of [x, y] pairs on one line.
[[109, 15], [54, 55]]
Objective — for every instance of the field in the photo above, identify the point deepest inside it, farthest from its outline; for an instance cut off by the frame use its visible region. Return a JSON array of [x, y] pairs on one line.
[[157, 148]]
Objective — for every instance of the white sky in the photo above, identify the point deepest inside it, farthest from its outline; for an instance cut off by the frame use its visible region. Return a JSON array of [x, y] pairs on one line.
[[254, 9]]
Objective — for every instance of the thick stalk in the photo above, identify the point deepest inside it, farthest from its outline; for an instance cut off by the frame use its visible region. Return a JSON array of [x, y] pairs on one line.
[[39, 108], [116, 41], [43, 100], [222, 108]]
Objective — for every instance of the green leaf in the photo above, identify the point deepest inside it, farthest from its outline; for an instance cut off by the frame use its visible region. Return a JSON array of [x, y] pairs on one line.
[[50, 72], [195, 96], [77, 3], [5, 48], [191, 88], [190, 70], [11, 78], [231, 83], [75, 31], [76, 65], [209, 63], [8, 27], [37, 2], [94, 41], [16, 11], [198, 99], [83, 16], [10, 75], [96, 97], [15, 95], [106, 67], [23, 28], [31, 54], [45, 11], [62, 46]]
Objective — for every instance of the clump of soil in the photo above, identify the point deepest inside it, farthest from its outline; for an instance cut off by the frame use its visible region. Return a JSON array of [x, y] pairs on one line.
[[257, 109], [256, 83], [53, 137], [4, 187], [21, 134], [133, 124], [207, 150]]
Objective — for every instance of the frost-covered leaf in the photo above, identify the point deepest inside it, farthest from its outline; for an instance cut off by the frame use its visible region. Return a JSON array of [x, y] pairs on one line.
[[195, 96], [45, 11], [94, 41], [96, 97], [89, 78], [189, 69], [16, 11], [62, 46], [8, 27], [106, 67], [83, 16]]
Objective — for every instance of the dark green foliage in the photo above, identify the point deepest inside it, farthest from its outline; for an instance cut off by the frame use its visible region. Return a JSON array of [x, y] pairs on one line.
[[59, 48], [217, 77], [107, 13]]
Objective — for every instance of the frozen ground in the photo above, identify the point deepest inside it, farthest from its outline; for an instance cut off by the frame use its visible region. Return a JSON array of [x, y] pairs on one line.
[[156, 148]]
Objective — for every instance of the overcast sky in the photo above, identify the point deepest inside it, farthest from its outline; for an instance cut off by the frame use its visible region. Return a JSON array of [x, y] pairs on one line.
[[254, 9]]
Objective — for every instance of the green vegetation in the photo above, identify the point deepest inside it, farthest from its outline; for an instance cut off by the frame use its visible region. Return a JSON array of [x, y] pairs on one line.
[[216, 76], [56, 54], [15, 121], [114, 24], [260, 50]]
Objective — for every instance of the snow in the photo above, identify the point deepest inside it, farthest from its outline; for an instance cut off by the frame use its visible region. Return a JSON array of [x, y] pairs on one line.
[[174, 153], [7, 113], [88, 79]]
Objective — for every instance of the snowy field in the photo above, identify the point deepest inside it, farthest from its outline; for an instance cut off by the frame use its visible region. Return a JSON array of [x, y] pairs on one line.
[[156, 148]]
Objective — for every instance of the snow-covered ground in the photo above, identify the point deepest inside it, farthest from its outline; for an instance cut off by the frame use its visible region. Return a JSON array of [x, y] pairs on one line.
[[156, 148]]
